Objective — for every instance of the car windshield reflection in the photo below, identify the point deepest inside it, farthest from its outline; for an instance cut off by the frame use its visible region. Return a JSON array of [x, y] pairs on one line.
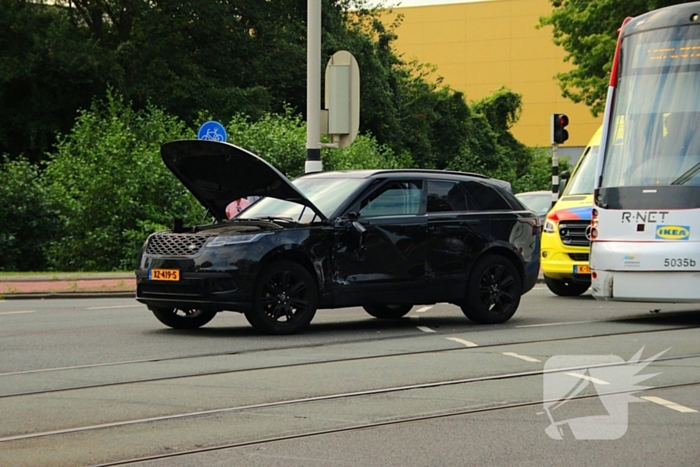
[[327, 194]]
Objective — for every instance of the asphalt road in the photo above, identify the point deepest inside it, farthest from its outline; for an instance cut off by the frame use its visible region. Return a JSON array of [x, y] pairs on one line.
[[102, 382]]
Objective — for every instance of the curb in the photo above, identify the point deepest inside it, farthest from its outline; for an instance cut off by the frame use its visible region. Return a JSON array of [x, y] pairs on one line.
[[43, 296]]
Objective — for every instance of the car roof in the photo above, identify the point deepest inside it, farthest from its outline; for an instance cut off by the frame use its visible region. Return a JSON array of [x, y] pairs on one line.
[[367, 173]]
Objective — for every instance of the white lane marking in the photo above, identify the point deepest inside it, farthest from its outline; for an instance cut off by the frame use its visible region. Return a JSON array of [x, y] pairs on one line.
[[462, 341], [424, 309], [521, 357], [108, 307], [559, 324], [16, 312], [425, 329], [669, 404], [587, 378]]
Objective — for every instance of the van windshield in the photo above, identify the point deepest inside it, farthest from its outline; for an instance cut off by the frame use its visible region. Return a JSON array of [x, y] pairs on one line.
[[584, 176]]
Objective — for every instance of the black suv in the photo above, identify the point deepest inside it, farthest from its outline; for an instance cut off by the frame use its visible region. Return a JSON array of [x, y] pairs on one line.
[[385, 240]]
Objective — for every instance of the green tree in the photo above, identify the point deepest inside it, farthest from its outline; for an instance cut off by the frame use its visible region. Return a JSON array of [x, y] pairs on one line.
[[587, 30], [48, 69]]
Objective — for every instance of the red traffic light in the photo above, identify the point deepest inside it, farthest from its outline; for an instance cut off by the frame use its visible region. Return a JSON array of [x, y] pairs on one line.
[[558, 131]]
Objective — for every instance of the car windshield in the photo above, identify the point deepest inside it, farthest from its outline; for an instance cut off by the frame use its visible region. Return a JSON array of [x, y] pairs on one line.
[[538, 202], [584, 176], [327, 194]]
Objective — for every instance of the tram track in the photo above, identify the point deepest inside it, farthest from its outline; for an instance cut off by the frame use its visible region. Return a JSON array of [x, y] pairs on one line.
[[292, 365], [364, 426], [348, 395]]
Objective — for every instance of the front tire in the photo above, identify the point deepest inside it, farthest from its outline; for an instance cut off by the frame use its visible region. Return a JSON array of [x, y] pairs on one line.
[[566, 287], [493, 291], [183, 319], [284, 300], [388, 311]]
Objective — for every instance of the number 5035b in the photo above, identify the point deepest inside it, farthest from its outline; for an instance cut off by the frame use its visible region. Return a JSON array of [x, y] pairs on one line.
[[679, 262]]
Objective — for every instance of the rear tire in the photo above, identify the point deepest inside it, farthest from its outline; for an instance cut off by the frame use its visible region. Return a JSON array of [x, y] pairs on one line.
[[284, 299], [566, 287], [493, 291], [183, 319], [388, 311]]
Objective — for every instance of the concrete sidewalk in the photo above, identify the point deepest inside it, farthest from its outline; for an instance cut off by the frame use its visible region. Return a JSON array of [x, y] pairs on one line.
[[70, 285]]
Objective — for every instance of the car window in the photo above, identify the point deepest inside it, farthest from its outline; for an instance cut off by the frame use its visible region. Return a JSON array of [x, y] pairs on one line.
[[485, 197], [393, 199], [446, 196], [538, 202]]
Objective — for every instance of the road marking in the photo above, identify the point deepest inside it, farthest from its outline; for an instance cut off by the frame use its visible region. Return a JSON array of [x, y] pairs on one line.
[[521, 357], [425, 329], [669, 404], [109, 307], [559, 324], [462, 341], [16, 312], [424, 309], [588, 378]]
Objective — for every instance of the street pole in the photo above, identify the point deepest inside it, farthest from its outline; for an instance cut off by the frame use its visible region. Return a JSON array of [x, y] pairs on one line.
[[555, 174], [313, 88]]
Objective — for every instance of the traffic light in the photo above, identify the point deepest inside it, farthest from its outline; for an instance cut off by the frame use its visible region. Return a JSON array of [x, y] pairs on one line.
[[559, 133]]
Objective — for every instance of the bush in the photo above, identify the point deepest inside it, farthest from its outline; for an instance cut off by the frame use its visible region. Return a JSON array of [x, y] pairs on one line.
[[281, 141], [111, 188], [28, 221]]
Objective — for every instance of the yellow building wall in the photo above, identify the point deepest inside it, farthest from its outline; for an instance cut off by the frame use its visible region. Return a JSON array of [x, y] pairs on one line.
[[480, 46]]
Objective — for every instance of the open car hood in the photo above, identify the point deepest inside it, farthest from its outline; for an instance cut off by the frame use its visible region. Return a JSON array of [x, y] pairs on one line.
[[217, 173]]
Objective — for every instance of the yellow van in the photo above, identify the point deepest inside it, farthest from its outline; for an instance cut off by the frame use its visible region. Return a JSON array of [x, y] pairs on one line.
[[566, 239]]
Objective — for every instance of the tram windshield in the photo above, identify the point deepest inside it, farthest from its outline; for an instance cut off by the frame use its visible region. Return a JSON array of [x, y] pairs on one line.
[[654, 136]]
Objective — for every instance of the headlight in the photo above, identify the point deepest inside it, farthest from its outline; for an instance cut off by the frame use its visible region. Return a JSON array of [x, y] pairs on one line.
[[549, 226], [225, 240]]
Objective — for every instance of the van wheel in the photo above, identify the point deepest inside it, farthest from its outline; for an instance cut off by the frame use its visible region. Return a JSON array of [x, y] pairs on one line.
[[566, 287], [183, 319], [388, 311], [284, 299], [493, 291]]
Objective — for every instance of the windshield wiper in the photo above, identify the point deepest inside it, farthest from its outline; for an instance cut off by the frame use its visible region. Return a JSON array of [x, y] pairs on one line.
[[269, 218], [683, 179]]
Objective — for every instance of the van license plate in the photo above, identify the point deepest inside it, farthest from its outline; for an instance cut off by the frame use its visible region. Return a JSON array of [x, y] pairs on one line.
[[164, 274], [582, 269]]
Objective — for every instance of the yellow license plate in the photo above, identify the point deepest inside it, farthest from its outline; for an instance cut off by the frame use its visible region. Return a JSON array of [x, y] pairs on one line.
[[582, 269], [164, 274]]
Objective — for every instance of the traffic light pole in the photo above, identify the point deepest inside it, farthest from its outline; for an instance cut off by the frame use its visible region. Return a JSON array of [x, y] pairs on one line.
[[555, 173]]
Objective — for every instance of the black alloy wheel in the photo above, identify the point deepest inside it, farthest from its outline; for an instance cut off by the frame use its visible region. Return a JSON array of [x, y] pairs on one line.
[[493, 291], [388, 311], [183, 318], [566, 287], [285, 299]]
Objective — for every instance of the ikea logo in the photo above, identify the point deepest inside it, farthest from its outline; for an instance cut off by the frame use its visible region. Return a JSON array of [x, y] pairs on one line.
[[673, 232]]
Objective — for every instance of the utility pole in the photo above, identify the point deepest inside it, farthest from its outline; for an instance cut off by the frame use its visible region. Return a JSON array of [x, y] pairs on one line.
[[313, 88]]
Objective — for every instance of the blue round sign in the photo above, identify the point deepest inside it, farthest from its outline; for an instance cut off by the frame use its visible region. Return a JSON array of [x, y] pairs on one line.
[[212, 131]]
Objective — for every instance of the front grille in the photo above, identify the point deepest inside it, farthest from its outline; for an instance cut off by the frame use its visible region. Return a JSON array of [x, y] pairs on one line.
[[574, 233], [172, 244], [578, 256]]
